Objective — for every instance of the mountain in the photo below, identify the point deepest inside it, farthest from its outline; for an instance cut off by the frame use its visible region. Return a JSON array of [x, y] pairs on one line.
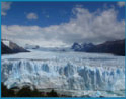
[[82, 47], [86, 46], [10, 47], [27, 46], [116, 47], [37, 47], [5, 49], [76, 47]]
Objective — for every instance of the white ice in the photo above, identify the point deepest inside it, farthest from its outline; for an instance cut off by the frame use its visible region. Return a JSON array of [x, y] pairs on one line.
[[77, 72]]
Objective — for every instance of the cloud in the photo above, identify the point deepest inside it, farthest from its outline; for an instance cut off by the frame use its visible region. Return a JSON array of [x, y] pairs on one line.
[[84, 26], [121, 4], [32, 16], [4, 7]]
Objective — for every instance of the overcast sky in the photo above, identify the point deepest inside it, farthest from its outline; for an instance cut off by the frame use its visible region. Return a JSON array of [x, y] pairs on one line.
[[51, 24]]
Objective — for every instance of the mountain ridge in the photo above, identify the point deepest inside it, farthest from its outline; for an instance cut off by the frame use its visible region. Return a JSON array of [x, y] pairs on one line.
[[116, 47], [8, 47]]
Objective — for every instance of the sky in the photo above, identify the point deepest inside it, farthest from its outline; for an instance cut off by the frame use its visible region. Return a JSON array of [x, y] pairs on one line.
[[58, 24]]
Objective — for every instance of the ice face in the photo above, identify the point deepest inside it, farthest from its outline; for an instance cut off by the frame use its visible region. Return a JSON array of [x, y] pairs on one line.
[[65, 71]]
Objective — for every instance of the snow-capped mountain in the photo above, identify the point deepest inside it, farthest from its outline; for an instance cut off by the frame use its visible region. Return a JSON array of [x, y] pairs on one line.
[[86, 46], [76, 47], [82, 47], [5, 49], [37, 47], [116, 47], [8, 46]]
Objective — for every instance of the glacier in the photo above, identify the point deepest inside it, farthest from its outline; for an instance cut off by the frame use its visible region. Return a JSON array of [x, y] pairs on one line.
[[76, 73]]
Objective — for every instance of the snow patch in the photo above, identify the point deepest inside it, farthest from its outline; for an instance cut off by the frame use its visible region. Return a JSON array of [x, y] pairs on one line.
[[7, 43]]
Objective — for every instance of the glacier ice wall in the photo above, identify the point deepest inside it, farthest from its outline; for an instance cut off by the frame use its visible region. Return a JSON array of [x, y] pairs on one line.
[[62, 75]]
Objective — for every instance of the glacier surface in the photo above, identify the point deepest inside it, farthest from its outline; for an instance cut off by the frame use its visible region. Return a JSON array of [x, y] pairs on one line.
[[77, 73]]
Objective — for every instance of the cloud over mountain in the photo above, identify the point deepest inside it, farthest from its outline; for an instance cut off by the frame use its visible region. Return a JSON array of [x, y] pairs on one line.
[[84, 26]]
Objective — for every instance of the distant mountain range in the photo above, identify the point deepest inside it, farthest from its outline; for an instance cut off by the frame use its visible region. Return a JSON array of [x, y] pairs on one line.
[[28, 46], [8, 47], [116, 47]]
